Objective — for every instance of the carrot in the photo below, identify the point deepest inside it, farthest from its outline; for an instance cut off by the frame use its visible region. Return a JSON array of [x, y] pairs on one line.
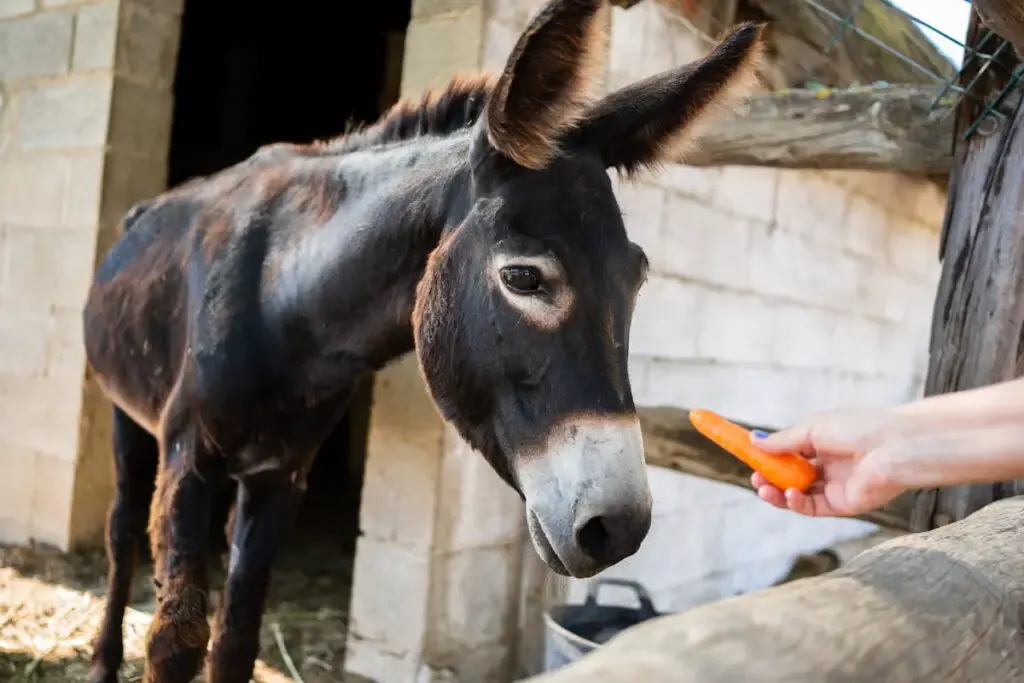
[[783, 470]]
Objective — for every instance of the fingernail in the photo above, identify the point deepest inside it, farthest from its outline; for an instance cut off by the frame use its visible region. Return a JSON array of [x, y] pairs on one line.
[[759, 434]]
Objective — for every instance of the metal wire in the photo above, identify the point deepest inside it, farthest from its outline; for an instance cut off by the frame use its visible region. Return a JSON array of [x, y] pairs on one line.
[[990, 59]]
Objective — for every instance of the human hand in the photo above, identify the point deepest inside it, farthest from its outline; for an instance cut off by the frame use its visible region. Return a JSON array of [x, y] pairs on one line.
[[851, 451]]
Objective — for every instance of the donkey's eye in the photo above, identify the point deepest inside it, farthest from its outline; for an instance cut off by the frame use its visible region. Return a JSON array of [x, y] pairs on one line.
[[521, 279]]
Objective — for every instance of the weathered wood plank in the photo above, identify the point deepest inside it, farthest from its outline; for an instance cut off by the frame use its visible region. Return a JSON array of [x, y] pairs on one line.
[[977, 334], [670, 441], [883, 128], [1005, 18], [943, 606]]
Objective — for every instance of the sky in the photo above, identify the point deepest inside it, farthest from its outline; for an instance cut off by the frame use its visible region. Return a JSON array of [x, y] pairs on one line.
[[949, 16]]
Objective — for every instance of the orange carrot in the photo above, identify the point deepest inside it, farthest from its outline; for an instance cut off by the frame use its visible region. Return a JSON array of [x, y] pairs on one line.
[[783, 470]]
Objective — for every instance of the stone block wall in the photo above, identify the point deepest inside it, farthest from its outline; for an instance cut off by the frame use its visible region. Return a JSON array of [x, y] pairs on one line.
[[82, 134]]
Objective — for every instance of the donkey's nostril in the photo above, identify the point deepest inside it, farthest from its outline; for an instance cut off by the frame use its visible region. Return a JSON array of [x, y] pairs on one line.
[[593, 538]]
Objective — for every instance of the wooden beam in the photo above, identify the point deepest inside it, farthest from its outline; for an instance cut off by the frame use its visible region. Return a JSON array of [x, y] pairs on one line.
[[943, 606], [670, 441], [1005, 18], [979, 306], [903, 128]]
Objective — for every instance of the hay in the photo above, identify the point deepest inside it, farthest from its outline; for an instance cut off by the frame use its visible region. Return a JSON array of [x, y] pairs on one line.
[[51, 609]]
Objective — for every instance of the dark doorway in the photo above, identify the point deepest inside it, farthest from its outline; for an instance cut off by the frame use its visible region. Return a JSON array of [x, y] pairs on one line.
[[251, 73]]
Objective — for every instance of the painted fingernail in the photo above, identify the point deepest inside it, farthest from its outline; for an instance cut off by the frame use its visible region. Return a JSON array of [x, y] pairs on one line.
[[759, 434]]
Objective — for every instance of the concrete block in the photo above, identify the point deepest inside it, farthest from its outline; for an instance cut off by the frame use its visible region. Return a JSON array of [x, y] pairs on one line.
[[637, 367], [857, 345], [95, 36], [499, 39], [127, 180], [65, 348], [476, 508], [427, 8], [33, 189], [643, 211], [912, 249], [374, 661], [666, 320], [85, 183], [390, 596], [883, 294], [930, 207], [702, 243], [68, 114], [403, 462], [734, 328], [140, 120], [491, 663], [35, 46], [17, 486], [761, 395], [52, 267], [748, 191], [808, 204], [625, 44], [23, 335], [148, 46], [40, 414], [801, 336], [16, 8], [51, 499], [169, 7], [647, 39], [438, 46], [516, 15], [475, 595], [867, 225], [689, 181], [791, 267]]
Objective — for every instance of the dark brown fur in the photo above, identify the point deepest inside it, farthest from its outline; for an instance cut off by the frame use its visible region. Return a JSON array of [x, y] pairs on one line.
[[232, 321]]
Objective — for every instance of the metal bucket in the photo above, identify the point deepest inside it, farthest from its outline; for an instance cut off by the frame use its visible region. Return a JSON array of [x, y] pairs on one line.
[[571, 631]]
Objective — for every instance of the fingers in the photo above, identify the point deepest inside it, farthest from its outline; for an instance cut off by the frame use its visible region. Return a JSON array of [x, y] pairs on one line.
[[796, 438], [813, 503]]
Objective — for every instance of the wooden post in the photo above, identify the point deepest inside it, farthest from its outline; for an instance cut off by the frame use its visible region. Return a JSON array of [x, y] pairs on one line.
[[978, 326]]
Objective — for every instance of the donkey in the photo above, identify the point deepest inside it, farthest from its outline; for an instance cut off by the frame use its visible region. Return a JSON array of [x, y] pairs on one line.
[[233, 318]]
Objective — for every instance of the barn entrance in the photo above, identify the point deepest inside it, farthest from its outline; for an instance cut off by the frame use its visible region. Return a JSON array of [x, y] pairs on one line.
[[251, 73]]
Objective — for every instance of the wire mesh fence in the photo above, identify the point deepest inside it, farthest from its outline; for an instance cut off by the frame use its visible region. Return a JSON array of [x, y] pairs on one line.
[[988, 53], [987, 71]]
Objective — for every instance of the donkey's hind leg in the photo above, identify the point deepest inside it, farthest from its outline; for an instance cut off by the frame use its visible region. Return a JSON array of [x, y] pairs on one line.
[[135, 461], [179, 533]]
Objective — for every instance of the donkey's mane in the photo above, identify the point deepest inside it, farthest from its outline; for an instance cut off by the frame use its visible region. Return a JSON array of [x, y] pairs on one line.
[[442, 112]]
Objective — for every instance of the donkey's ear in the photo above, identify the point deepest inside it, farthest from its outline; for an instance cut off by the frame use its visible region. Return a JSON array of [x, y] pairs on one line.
[[542, 91], [654, 120]]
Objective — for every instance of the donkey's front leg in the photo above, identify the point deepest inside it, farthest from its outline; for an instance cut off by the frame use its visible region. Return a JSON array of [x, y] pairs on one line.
[[179, 530], [265, 507]]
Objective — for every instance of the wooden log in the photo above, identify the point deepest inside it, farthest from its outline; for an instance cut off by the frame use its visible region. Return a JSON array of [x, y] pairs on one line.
[[670, 441], [1005, 18], [885, 128], [978, 316], [942, 606]]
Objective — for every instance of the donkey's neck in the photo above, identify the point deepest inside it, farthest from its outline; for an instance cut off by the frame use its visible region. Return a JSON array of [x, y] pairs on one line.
[[354, 277]]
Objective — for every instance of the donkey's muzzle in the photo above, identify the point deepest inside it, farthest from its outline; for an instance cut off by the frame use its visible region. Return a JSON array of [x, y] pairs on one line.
[[587, 496]]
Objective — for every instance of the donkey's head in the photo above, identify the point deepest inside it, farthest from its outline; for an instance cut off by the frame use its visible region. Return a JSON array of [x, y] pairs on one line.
[[523, 316]]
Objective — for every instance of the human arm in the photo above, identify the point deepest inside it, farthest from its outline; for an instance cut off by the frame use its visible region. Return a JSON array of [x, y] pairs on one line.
[[865, 458]]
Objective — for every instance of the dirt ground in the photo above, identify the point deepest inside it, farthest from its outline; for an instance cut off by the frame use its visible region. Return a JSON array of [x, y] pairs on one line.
[[51, 607]]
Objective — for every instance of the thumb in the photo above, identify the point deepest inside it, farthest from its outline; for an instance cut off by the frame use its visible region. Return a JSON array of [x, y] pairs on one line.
[[797, 438]]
